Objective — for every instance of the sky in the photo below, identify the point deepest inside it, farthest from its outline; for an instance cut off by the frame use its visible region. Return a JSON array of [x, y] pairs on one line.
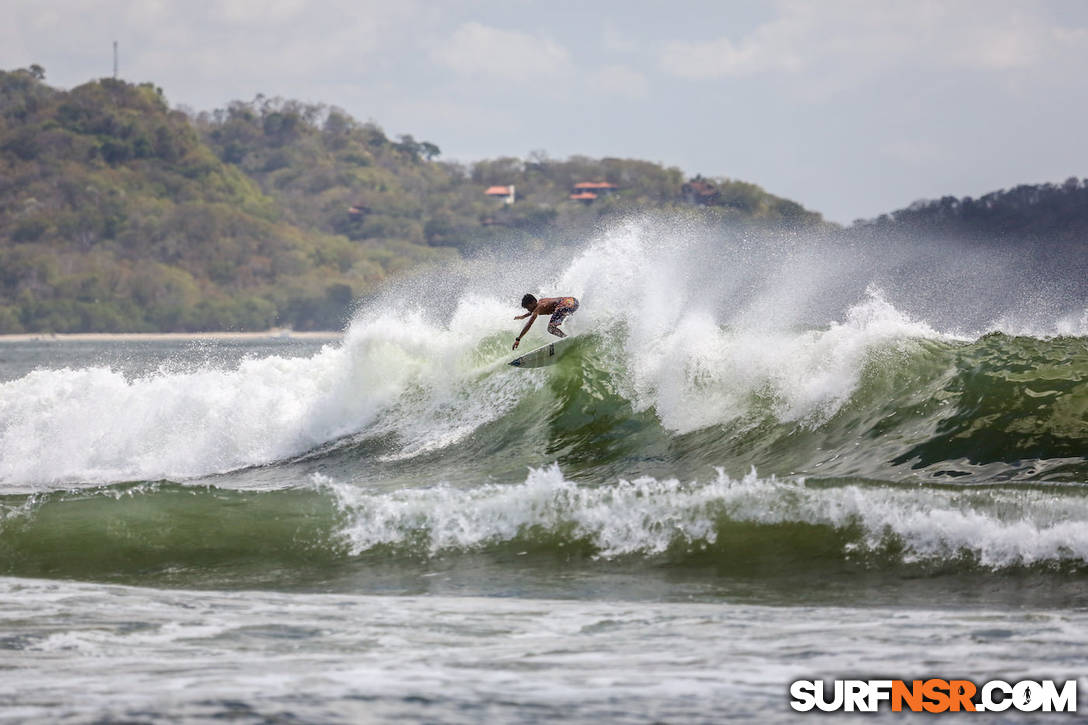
[[849, 107]]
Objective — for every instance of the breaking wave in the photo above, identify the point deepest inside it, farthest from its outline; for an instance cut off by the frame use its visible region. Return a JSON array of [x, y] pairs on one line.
[[888, 428]]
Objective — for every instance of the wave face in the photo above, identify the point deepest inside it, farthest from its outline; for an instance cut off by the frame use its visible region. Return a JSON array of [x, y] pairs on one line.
[[783, 399]]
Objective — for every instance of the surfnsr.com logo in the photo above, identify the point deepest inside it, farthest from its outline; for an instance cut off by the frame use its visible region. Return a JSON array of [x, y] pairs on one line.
[[933, 695]]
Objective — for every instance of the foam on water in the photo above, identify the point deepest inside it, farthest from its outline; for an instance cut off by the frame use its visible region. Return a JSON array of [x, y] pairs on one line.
[[700, 374], [693, 327], [997, 528], [94, 653], [94, 425]]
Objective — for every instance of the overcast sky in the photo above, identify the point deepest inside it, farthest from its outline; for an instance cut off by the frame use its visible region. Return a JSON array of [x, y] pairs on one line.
[[850, 107]]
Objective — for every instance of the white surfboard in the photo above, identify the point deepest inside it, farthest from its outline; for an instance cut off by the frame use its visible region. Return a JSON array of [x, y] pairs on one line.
[[546, 355]]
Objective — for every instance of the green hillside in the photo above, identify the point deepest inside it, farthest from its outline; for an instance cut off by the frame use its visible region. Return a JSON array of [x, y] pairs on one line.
[[1050, 215], [114, 215], [332, 173], [120, 214]]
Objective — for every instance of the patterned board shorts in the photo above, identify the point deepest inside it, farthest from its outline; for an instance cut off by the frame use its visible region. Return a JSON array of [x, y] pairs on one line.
[[567, 306]]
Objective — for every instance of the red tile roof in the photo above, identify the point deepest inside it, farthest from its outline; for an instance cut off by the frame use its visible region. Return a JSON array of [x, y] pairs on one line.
[[498, 191]]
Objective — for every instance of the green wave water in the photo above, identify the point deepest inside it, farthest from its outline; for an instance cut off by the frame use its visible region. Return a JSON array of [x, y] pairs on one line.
[[708, 438], [947, 456]]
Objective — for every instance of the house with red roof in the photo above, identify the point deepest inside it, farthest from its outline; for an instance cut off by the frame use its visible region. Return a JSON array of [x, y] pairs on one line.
[[505, 193], [700, 191], [588, 191]]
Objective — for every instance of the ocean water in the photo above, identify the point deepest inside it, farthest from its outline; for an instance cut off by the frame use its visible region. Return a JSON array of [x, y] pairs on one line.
[[764, 458]]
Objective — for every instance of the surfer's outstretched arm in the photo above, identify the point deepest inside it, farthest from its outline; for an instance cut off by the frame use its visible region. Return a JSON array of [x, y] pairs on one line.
[[525, 329]]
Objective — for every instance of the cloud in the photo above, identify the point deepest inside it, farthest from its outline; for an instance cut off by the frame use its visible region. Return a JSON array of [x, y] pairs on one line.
[[860, 38], [480, 50], [615, 41], [618, 80], [205, 52], [247, 12], [915, 152]]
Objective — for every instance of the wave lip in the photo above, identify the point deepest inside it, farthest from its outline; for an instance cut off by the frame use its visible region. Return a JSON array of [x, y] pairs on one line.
[[90, 426], [759, 527], [877, 396], [991, 527], [715, 349], [701, 374]]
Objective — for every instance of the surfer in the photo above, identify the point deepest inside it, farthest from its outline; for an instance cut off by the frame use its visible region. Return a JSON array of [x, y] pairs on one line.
[[558, 307]]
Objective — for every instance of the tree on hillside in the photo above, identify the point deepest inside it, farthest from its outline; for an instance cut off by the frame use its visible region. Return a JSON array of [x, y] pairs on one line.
[[118, 213]]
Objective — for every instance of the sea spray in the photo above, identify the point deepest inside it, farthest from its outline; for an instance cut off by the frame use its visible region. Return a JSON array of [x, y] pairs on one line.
[[708, 346]]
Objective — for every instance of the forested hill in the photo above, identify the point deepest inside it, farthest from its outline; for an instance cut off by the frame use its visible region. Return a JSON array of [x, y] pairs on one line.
[[119, 214], [116, 216], [1046, 216], [333, 173]]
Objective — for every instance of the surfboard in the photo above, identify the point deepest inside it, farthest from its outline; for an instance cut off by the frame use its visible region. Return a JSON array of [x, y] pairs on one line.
[[546, 355]]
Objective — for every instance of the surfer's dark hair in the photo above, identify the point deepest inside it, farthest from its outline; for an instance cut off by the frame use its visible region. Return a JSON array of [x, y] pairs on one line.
[[528, 301]]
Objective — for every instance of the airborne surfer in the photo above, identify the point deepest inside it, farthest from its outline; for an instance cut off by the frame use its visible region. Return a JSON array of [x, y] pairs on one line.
[[558, 307]]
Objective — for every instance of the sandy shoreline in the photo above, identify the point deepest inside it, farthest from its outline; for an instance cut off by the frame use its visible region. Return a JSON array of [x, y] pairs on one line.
[[120, 336]]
